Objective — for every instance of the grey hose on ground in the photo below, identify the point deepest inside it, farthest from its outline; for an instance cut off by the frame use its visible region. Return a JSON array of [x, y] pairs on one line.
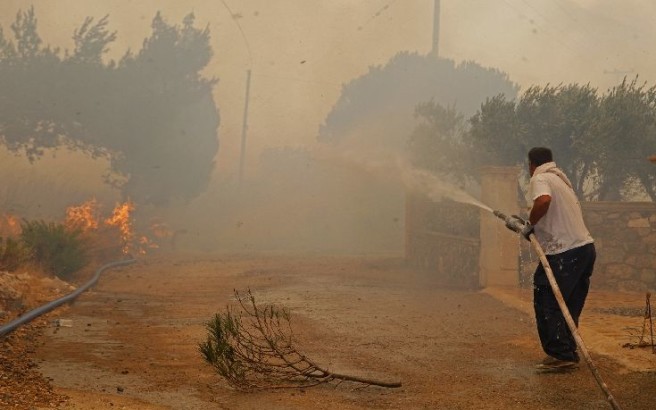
[[571, 324], [33, 314]]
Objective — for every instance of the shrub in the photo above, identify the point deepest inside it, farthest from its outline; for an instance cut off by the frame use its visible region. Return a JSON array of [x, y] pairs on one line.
[[12, 255], [54, 247]]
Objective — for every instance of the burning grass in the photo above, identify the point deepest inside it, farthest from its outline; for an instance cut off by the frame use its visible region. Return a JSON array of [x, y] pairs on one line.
[[85, 235], [119, 227]]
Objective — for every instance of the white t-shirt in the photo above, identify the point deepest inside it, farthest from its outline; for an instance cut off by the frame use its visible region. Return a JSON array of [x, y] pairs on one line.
[[562, 227]]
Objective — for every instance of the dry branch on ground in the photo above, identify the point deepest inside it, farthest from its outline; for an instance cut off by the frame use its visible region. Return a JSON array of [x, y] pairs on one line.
[[252, 347]]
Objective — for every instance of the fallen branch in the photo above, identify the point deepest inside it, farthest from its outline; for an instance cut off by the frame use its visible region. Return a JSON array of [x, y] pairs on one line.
[[252, 348]]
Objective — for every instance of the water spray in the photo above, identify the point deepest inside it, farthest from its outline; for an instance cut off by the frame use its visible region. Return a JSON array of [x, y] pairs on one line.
[[516, 224]]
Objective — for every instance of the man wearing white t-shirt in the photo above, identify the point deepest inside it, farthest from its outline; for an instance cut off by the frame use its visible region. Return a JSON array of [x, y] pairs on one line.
[[557, 222]]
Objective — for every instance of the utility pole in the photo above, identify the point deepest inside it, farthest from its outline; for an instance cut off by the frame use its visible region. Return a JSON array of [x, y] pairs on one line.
[[436, 29], [244, 127]]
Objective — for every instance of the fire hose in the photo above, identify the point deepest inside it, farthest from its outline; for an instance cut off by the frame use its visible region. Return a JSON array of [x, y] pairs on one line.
[[516, 225], [33, 314]]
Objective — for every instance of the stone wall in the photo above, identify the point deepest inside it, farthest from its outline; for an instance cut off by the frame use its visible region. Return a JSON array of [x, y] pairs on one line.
[[625, 238]]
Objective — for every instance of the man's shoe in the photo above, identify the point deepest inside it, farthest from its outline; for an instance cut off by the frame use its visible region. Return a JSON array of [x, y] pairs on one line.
[[551, 363]]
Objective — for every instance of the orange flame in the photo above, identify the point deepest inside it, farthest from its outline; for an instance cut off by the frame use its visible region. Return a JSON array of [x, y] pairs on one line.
[[145, 243], [121, 219], [84, 217], [87, 218]]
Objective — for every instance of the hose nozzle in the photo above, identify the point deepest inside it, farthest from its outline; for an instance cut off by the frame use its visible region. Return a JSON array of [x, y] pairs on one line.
[[514, 223], [500, 215]]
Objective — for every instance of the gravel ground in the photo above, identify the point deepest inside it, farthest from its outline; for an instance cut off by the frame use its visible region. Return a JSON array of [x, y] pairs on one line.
[[134, 342], [22, 386]]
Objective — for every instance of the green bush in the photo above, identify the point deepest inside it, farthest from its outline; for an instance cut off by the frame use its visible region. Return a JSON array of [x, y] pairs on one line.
[[54, 247], [12, 255]]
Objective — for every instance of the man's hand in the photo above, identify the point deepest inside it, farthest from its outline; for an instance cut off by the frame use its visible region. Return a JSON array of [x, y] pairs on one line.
[[519, 225], [527, 230]]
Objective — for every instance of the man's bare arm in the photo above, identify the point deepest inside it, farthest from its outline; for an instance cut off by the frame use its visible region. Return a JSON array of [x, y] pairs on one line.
[[540, 208]]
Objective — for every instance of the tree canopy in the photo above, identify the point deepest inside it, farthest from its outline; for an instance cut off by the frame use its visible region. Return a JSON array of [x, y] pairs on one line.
[[601, 140], [152, 113], [437, 141], [379, 105]]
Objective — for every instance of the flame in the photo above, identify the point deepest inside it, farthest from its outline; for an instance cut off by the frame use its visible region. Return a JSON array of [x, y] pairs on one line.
[[9, 225], [84, 217], [121, 219], [87, 218], [145, 243]]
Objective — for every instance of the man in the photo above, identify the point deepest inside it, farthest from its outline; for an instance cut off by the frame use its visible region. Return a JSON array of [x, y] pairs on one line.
[[557, 222]]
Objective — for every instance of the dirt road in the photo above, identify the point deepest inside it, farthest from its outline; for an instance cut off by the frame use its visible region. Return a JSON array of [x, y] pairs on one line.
[[134, 340]]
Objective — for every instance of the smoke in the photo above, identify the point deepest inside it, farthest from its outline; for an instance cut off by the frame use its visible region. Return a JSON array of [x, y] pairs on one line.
[[330, 199], [45, 188], [298, 202]]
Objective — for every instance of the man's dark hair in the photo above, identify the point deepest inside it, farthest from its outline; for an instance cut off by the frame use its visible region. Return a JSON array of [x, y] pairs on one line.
[[539, 155]]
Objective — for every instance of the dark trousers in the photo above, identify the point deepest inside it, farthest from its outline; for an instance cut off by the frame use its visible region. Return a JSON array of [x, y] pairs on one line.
[[572, 270]]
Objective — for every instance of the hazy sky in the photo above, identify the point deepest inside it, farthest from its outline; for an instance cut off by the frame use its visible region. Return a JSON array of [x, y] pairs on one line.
[[302, 51]]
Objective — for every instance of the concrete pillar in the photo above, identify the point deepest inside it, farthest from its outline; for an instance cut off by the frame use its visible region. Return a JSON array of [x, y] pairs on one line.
[[499, 246]]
